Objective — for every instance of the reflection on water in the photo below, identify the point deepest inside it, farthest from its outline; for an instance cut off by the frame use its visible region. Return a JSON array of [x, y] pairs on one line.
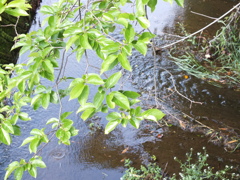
[[93, 155]]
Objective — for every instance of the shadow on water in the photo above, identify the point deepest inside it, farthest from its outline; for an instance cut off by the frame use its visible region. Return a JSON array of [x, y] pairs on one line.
[[93, 155]]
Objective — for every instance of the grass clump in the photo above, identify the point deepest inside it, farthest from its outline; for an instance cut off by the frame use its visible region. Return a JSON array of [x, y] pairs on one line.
[[197, 170]]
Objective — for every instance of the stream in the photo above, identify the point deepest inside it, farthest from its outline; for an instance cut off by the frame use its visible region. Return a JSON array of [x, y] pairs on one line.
[[93, 155]]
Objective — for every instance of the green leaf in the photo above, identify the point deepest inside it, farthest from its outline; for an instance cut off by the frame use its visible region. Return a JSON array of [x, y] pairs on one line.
[[5, 137], [84, 107], [72, 31], [18, 173], [143, 21], [87, 113], [28, 140], [76, 91], [65, 114], [122, 21], [112, 48], [140, 8], [121, 100], [6, 125], [108, 63], [38, 163], [79, 54], [131, 94], [113, 116], [67, 124], [109, 98], [17, 131], [135, 122], [113, 79], [84, 41], [45, 100], [71, 41], [11, 167], [33, 145], [153, 114], [24, 116], [36, 132], [16, 12], [47, 9], [98, 99], [146, 37], [152, 4], [111, 126], [52, 120], [21, 86], [169, 1], [141, 47], [53, 97], [122, 58], [73, 131], [124, 122], [129, 34], [82, 99], [94, 79], [180, 2], [47, 65], [33, 171]]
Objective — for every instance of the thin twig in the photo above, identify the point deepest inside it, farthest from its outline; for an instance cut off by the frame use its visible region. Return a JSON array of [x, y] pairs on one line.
[[216, 20], [203, 15]]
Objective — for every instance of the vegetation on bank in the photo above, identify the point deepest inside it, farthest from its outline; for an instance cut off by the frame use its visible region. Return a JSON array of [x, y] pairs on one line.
[[214, 59], [72, 27], [193, 169]]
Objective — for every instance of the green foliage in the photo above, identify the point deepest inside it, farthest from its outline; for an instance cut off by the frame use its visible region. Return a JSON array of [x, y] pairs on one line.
[[47, 48], [189, 170], [14, 8]]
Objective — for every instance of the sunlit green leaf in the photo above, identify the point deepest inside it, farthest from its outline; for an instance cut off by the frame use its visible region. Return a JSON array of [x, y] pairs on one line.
[[98, 99], [153, 114], [87, 113], [113, 116], [82, 99], [131, 94], [84, 41], [67, 124], [28, 140], [33, 171], [38, 163], [45, 100], [129, 33], [180, 2], [33, 145], [121, 100], [18, 173], [76, 91], [11, 167], [113, 79], [94, 79], [111, 125], [6, 125], [143, 21], [5, 137], [141, 47], [122, 58]]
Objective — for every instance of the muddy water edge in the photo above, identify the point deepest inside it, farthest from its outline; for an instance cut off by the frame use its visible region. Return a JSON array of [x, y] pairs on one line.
[[93, 155]]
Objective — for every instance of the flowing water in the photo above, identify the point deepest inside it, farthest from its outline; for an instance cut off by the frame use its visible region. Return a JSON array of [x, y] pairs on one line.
[[93, 155]]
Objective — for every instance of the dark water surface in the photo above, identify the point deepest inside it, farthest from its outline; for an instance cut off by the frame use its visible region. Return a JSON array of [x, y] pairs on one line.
[[93, 155]]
